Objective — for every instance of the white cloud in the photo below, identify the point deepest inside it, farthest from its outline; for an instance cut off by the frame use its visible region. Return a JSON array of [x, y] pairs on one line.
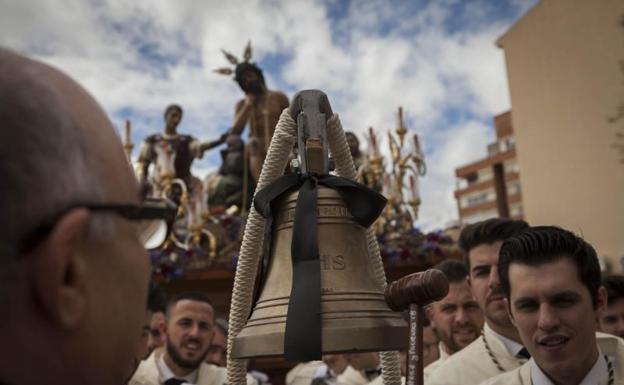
[[439, 205], [137, 57]]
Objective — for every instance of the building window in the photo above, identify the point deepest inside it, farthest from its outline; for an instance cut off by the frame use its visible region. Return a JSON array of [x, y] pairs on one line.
[[513, 189], [472, 178], [477, 199], [511, 166], [485, 174], [516, 210], [509, 144]]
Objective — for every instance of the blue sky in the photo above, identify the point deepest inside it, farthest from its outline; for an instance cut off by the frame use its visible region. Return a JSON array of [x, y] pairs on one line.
[[437, 59]]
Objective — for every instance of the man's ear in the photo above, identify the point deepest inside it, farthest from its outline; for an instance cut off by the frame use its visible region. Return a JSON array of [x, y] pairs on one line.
[[58, 273], [601, 300], [163, 328], [429, 314], [509, 313], [469, 282]]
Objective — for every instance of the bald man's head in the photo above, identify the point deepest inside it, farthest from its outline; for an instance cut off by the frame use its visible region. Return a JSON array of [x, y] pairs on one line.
[[43, 143], [76, 279]]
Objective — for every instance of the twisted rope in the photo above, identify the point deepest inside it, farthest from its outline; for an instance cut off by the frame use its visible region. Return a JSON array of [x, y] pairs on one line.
[[253, 238], [609, 370], [491, 354]]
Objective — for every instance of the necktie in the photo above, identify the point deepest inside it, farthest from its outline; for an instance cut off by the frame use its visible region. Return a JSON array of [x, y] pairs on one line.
[[523, 353], [174, 381]]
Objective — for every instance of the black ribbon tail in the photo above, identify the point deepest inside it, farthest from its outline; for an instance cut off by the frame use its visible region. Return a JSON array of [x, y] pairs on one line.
[[302, 340], [263, 203]]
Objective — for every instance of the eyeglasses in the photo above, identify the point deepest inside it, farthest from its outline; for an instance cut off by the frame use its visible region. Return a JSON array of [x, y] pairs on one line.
[[155, 219]]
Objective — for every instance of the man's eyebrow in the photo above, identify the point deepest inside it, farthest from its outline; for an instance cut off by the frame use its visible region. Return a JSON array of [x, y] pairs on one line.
[[522, 300], [565, 295]]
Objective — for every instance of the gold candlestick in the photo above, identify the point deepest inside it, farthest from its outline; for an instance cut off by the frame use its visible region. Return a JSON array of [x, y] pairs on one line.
[[401, 130], [127, 143]]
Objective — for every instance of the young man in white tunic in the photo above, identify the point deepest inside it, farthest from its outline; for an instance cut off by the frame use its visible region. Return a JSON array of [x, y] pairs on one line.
[[499, 347], [189, 330], [552, 285], [456, 319]]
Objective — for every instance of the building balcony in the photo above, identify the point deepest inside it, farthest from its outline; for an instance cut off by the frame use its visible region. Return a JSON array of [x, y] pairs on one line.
[[485, 206], [469, 169]]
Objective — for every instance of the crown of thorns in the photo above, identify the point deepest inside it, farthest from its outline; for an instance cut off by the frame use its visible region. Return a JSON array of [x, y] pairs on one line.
[[234, 61]]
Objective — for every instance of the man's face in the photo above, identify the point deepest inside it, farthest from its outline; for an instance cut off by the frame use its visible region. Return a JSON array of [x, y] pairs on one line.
[[217, 352], [457, 318], [173, 118], [156, 336], [190, 328], [553, 312], [251, 82], [485, 285], [612, 318]]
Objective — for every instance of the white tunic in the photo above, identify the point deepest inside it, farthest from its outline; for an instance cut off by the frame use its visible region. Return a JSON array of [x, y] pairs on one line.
[[352, 377], [148, 373], [531, 374], [435, 364], [303, 373], [473, 364]]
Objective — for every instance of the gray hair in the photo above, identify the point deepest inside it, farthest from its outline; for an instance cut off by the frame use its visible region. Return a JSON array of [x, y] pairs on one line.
[[44, 154]]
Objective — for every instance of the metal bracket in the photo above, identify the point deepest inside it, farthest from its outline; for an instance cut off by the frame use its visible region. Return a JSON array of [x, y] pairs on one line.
[[311, 110]]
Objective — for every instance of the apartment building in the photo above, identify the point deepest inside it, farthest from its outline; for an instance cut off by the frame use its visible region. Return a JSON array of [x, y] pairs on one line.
[[565, 79], [490, 187]]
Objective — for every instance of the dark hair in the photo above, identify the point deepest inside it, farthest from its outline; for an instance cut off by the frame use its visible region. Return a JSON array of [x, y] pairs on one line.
[[156, 298], [247, 67], [172, 107], [488, 232], [189, 295], [455, 271], [351, 134], [545, 244], [615, 287]]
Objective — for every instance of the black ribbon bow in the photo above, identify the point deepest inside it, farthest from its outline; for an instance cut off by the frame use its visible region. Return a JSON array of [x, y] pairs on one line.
[[302, 340]]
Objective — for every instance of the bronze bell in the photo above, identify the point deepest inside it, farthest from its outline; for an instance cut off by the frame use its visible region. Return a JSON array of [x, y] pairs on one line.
[[354, 313]]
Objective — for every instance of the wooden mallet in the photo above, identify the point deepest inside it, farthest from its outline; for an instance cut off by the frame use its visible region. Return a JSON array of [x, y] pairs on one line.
[[414, 292]]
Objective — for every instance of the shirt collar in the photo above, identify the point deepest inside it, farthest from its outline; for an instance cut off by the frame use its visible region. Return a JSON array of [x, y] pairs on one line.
[[442, 349], [166, 373], [513, 348], [597, 373]]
